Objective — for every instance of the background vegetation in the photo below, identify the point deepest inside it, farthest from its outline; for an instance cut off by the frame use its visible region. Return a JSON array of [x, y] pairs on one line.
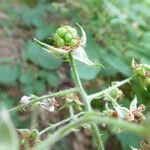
[[118, 31]]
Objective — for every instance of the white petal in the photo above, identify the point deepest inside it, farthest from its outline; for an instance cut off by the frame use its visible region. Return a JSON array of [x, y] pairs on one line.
[[80, 55], [52, 108], [25, 100], [133, 104], [122, 111], [83, 39], [133, 148], [49, 48]]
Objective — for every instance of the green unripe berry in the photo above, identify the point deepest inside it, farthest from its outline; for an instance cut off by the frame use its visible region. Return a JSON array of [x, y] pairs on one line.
[[60, 42], [61, 31], [72, 30], [68, 37], [73, 43], [56, 37]]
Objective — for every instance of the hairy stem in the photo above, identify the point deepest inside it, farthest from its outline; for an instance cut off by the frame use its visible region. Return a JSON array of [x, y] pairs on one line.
[[35, 99], [53, 126], [86, 101], [107, 91], [90, 118]]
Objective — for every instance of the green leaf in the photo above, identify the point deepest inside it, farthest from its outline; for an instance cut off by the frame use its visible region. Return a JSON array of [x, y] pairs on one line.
[[8, 74], [128, 139], [45, 31], [28, 89], [27, 78], [117, 64], [86, 72], [40, 57], [39, 87], [53, 79]]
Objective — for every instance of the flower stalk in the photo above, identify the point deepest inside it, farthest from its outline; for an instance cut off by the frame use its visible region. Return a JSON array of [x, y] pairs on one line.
[[90, 118], [35, 99]]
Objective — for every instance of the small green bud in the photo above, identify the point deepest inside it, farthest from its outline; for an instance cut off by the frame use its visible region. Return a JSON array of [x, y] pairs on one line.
[[56, 37], [73, 43], [35, 133], [61, 31], [68, 37], [60, 42], [22, 141]]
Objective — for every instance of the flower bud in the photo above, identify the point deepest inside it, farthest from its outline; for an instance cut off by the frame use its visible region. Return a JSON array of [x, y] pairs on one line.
[[25, 100], [35, 133]]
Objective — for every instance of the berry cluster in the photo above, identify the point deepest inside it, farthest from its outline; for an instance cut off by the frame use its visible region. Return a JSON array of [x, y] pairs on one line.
[[66, 36]]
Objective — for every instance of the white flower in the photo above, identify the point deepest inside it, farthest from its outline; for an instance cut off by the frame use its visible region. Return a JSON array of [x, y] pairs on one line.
[[49, 104], [133, 104], [77, 53], [25, 100]]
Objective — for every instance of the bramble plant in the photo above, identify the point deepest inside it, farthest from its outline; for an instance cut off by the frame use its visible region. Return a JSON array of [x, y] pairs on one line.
[[67, 43]]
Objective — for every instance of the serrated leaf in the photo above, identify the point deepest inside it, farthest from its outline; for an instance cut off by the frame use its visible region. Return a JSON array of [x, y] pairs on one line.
[[8, 74], [41, 58], [127, 138], [53, 79], [40, 87], [27, 78]]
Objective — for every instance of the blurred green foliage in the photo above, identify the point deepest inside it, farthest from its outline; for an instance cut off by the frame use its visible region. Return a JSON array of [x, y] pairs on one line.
[[117, 31]]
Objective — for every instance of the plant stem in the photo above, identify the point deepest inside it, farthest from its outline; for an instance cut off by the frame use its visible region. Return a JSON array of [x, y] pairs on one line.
[[90, 118], [53, 126], [35, 99], [71, 111], [86, 101], [107, 91]]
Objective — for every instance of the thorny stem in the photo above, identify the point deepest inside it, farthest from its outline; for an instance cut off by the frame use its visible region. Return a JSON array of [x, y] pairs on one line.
[[86, 101], [90, 118], [107, 91], [112, 100], [71, 111], [71, 90], [35, 99]]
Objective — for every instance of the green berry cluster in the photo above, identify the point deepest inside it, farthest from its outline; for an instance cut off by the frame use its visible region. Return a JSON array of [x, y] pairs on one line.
[[66, 36]]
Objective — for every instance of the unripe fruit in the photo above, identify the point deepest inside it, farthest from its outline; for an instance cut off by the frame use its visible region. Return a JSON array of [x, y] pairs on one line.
[[73, 43], [60, 42], [68, 37], [56, 37], [61, 31], [72, 30]]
